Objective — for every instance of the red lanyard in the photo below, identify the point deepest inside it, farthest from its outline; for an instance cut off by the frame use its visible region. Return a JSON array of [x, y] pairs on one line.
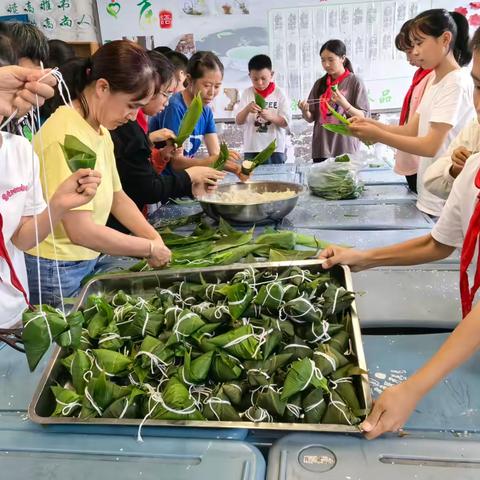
[[15, 281], [327, 95], [468, 250]]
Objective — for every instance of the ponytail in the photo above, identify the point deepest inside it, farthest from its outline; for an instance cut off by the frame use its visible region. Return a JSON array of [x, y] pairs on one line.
[[436, 22], [123, 64], [461, 48], [348, 64]]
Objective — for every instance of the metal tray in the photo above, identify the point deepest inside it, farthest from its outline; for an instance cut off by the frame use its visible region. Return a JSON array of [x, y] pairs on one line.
[[40, 408]]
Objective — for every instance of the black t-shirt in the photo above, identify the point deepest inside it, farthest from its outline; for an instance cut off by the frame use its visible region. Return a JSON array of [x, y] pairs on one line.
[[139, 179]]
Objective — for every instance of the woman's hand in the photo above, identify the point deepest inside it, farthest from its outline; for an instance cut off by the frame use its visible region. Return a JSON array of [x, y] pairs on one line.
[[365, 130], [162, 135], [77, 190], [391, 410], [160, 255]]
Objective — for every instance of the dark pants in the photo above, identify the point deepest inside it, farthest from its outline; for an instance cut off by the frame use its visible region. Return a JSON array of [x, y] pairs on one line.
[[276, 158], [319, 160], [412, 182]]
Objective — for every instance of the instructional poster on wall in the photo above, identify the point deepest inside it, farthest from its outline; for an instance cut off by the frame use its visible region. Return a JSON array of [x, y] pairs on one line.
[[368, 31], [291, 32], [69, 20]]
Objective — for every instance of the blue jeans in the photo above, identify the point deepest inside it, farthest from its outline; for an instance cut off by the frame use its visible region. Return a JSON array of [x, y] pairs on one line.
[[275, 159], [71, 274]]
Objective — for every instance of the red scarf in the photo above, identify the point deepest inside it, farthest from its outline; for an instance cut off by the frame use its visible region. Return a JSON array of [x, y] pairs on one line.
[[14, 280], [468, 249], [269, 90], [142, 120], [419, 75], [327, 95]]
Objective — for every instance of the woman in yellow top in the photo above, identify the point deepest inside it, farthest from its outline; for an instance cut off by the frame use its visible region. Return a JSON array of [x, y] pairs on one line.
[[107, 91]]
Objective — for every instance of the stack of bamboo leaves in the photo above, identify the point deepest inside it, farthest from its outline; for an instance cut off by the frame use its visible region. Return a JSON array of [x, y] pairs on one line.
[[211, 246], [262, 347]]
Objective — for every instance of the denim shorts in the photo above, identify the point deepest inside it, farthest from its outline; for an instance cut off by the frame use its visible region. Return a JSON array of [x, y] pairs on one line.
[[275, 159], [71, 274]]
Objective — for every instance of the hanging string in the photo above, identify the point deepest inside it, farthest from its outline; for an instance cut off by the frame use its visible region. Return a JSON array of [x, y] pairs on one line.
[[61, 83]]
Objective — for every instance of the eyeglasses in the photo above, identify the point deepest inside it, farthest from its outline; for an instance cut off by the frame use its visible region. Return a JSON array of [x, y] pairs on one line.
[[167, 95]]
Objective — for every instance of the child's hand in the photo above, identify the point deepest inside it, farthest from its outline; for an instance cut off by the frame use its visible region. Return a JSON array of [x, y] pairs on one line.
[[252, 107], [233, 155], [339, 99], [162, 135], [204, 175], [459, 156], [77, 190], [303, 106], [365, 131], [268, 115]]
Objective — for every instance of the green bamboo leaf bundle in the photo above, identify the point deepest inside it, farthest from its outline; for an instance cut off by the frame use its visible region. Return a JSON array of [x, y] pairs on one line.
[[341, 118], [222, 157], [340, 129], [260, 101], [255, 348], [338, 184], [248, 166], [77, 154], [189, 120]]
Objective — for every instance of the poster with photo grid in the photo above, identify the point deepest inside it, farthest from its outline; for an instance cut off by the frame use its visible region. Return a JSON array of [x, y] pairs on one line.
[[368, 30]]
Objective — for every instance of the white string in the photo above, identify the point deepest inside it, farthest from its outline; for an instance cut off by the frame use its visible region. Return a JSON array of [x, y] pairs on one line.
[[315, 405], [9, 119], [68, 407], [330, 359], [35, 219], [57, 75]]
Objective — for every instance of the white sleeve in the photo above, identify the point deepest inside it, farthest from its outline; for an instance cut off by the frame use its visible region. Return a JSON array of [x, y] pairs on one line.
[[449, 106], [437, 178], [448, 229], [284, 108], [34, 203]]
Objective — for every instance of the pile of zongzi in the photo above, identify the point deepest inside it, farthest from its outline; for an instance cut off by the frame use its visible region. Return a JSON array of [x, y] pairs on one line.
[[262, 347]]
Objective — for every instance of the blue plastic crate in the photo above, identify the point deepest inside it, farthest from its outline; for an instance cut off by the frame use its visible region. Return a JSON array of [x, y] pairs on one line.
[[333, 457], [28, 453]]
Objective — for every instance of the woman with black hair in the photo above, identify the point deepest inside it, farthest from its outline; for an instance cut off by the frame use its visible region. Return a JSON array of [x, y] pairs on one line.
[[105, 96], [344, 91], [133, 151], [440, 42]]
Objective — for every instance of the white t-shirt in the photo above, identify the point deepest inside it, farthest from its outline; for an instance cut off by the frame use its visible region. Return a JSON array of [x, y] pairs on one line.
[[20, 195], [437, 178], [258, 134], [455, 218], [449, 101]]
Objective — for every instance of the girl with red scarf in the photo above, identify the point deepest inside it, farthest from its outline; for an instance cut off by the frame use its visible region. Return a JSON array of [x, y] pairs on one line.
[[440, 42], [458, 227], [407, 163], [344, 91]]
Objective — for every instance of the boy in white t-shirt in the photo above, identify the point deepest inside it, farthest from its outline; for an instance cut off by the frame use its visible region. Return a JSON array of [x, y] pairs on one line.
[[263, 125]]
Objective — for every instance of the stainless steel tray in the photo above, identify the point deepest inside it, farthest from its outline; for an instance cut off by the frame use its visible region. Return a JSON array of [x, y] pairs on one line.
[[40, 408]]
